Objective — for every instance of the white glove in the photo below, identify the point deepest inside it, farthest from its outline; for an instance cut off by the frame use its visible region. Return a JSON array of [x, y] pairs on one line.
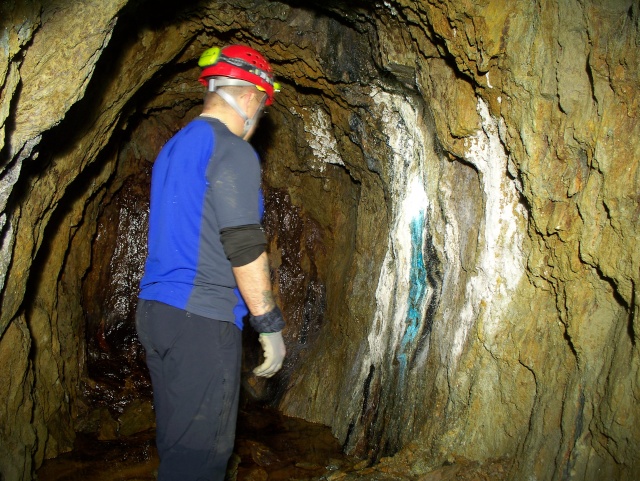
[[274, 352]]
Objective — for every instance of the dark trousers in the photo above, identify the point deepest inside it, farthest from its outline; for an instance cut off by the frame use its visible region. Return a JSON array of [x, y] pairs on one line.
[[195, 373]]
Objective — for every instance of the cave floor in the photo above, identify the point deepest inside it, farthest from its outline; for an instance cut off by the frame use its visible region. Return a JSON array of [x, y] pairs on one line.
[[269, 447]]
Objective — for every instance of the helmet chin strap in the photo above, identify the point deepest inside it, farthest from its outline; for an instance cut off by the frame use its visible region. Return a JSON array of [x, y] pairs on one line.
[[248, 122]]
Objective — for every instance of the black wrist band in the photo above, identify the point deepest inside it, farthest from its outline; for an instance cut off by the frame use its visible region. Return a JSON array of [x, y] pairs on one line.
[[272, 321]]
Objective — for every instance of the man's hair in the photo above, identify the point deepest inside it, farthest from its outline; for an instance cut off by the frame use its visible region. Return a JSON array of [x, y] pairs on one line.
[[211, 99]]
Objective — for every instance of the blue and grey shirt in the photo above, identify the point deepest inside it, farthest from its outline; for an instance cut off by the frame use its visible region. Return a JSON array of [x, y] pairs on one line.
[[205, 179]]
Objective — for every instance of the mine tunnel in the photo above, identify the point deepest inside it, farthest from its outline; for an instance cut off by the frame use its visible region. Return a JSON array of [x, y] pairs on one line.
[[451, 208]]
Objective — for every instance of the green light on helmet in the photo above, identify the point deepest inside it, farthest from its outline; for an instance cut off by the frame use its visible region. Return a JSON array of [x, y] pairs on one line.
[[276, 87], [209, 57]]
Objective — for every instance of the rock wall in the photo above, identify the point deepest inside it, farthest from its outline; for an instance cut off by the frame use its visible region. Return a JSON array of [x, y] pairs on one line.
[[452, 207]]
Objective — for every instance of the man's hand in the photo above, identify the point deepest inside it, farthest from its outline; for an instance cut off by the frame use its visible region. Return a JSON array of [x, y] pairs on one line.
[[274, 352], [254, 282]]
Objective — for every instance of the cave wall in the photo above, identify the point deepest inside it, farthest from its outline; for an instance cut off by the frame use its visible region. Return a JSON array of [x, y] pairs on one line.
[[452, 193]]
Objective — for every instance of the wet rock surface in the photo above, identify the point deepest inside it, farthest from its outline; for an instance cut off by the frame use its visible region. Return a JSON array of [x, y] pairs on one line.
[[269, 447]]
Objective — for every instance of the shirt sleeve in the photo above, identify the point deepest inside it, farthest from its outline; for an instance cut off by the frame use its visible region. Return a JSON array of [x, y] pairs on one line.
[[234, 180], [244, 244]]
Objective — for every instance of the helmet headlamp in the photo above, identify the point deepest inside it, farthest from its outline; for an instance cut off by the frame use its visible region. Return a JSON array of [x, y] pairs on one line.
[[240, 63]]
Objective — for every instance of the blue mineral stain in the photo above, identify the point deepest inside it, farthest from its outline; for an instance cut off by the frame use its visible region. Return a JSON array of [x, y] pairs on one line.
[[417, 291]]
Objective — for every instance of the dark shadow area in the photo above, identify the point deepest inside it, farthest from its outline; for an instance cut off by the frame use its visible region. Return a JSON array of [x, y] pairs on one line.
[[268, 446]]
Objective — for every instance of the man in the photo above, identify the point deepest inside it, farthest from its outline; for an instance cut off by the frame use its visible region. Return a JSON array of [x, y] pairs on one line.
[[205, 239]]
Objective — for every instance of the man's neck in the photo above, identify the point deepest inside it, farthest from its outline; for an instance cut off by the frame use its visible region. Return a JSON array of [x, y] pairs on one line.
[[227, 118]]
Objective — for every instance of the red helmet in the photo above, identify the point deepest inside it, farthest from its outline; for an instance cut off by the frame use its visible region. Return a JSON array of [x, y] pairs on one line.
[[238, 62]]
